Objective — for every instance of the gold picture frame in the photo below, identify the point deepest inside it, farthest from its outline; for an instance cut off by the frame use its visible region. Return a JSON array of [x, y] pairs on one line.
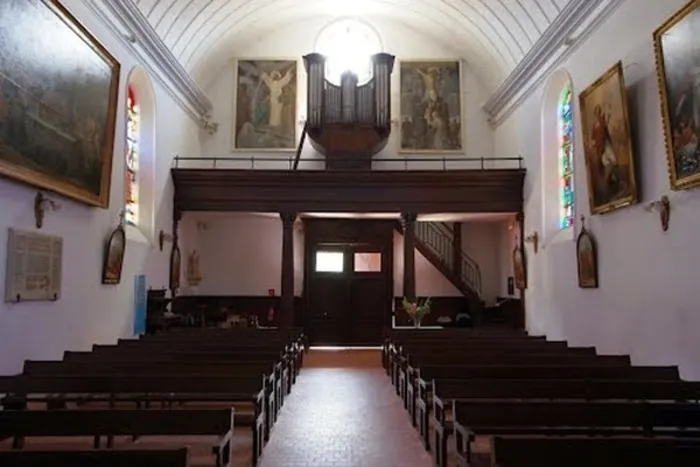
[[113, 262], [412, 106], [247, 105], [607, 142], [676, 69], [58, 119], [586, 258]]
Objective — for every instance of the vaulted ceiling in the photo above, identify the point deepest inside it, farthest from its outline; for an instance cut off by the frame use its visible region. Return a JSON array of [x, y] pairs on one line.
[[492, 33]]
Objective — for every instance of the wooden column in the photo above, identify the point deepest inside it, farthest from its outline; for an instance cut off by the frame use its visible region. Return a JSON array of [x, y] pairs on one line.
[[457, 248], [409, 256], [286, 319]]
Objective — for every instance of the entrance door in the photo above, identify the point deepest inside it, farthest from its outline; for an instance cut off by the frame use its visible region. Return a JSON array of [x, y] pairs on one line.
[[349, 295], [370, 295], [328, 295]]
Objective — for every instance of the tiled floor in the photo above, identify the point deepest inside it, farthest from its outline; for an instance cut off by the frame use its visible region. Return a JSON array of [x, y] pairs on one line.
[[343, 412]]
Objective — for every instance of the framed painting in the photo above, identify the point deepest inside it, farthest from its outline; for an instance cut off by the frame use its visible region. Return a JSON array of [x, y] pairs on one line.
[[586, 259], [431, 106], [519, 268], [114, 257], [58, 100], [265, 108], [607, 143], [678, 71]]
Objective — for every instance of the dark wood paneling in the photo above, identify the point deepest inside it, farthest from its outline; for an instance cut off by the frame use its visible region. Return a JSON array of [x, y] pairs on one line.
[[497, 190], [216, 307], [440, 306]]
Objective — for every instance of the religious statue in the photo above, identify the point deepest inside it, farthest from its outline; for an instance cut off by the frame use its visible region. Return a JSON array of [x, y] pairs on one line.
[[193, 275]]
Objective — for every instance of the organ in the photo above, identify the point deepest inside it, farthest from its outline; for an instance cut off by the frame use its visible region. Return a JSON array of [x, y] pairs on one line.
[[351, 122]]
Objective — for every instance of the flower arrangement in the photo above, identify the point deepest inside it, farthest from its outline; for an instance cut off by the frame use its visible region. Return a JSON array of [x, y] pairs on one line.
[[416, 310]]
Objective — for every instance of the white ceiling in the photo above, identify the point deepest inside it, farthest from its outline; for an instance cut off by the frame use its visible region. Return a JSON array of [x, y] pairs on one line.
[[495, 33]]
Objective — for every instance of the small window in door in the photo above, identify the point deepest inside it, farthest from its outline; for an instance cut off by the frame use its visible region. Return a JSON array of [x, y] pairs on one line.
[[368, 262], [330, 261]]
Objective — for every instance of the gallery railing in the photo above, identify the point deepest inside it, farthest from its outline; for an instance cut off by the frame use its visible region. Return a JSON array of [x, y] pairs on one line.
[[292, 162]]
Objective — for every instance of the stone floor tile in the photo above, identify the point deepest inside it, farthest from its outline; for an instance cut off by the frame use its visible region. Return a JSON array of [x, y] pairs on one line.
[[343, 412]]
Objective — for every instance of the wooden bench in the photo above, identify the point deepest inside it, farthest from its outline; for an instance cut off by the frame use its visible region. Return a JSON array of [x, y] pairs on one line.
[[56, 391], [276, 384], [409, 384], [444, 392], [280, 378], [97, 458], [563, 418], [400, 361], [21, 424], [528, 451]]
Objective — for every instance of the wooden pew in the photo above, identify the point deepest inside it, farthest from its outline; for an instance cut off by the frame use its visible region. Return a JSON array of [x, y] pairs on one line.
[[528, 451], [97, 458], [409, 384], [58, 390], [463, 375], [564, 418], [276, 385], [444, 392], [279, 379], [20, 424], [393, 338], [400, 360]]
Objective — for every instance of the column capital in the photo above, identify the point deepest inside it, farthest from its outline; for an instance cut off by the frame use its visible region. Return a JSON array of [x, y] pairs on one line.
[[408, 218], [288, 217]]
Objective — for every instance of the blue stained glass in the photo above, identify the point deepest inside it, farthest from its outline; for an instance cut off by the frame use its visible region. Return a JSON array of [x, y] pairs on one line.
[[566, 157]]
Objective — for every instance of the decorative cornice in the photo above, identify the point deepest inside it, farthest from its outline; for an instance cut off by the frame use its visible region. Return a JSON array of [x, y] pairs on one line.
[[130, 26], [549, 46], [131, 17]]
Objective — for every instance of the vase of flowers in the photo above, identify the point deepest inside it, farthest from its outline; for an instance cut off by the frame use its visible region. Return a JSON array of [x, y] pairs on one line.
[[416, 310]]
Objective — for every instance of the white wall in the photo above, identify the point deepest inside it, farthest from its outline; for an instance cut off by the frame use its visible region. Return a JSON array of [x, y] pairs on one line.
[[429, 281], [482, 242], [89, 312], [297, 40], [647, 304], [241, 254]]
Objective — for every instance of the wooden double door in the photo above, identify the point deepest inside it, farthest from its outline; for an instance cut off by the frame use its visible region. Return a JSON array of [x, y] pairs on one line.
[[349, 282]]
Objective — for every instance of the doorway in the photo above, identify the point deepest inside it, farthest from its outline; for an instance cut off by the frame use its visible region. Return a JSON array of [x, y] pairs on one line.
[[349, 281]]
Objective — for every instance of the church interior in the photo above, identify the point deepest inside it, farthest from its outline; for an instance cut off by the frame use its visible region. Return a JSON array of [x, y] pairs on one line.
[[335, 234]]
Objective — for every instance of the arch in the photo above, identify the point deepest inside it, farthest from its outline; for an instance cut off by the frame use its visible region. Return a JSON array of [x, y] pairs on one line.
[[557, 163], [140, 168], [348, 43]]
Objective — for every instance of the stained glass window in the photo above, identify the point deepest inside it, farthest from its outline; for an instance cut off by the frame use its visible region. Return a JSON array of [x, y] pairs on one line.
[[133, 123], [566, 159]]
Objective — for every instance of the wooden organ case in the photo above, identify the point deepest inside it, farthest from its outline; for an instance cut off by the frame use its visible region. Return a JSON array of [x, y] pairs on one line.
[[349, 124]]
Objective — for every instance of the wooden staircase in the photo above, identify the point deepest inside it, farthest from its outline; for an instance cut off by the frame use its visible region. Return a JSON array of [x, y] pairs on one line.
[[436, 242]]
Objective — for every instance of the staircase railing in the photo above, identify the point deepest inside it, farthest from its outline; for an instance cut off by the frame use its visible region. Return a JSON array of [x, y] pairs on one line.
[[435, 236]]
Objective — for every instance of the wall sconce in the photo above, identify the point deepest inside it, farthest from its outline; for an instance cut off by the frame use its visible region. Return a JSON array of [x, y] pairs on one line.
[[534, 239], [41, 204], [162, 238], [663, 206]]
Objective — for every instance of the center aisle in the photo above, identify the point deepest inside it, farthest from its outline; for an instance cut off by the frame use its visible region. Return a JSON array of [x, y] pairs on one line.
[[343, 412]]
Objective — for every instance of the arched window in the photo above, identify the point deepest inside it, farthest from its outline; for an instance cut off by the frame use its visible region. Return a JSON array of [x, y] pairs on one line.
[[133, 125], [566, 158], [348, 44]]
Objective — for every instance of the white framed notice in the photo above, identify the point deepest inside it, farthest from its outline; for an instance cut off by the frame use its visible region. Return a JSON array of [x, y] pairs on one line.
[[34, 265]]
